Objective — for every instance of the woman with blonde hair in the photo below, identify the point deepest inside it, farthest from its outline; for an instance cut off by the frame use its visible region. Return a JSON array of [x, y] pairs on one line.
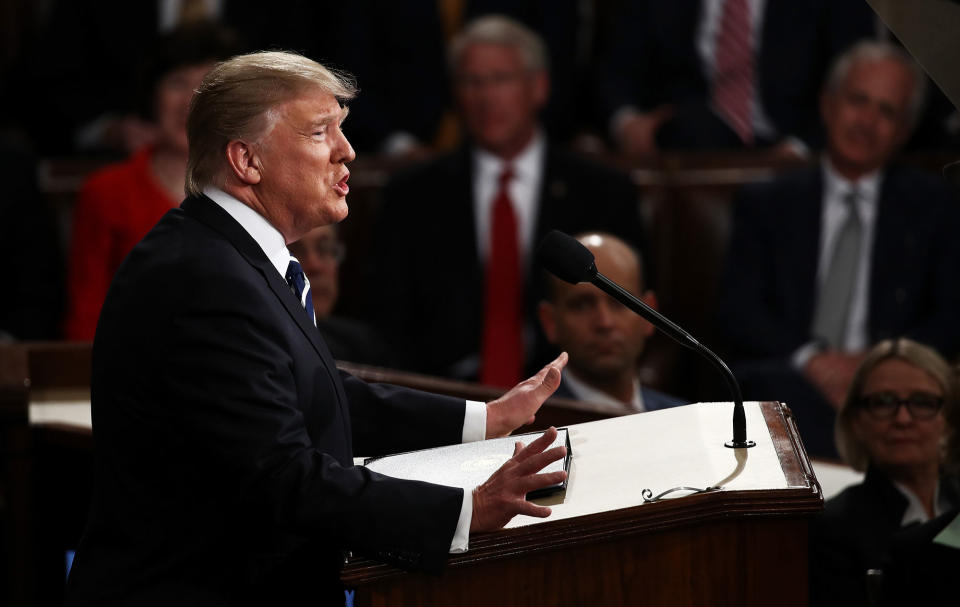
[[897, 425]]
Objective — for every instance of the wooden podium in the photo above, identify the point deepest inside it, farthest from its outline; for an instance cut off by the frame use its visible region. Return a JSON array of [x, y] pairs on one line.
[[742, 544]]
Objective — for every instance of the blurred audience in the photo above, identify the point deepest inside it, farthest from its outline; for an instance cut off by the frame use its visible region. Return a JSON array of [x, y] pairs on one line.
[[31, 263], [895, 424], [603, 338], [716, 74], [456, 235], [94, 49], [119, 204], [390, 64], [826, 261], [320, 253]]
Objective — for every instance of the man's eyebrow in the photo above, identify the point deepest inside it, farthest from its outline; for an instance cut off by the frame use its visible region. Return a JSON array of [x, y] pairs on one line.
[[330, 118]]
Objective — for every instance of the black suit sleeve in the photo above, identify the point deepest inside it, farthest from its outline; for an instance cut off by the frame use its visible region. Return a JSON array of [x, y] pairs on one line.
[[249, 440]]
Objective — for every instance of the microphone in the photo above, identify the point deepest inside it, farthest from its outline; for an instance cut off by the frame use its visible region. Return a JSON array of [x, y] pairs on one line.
[[567, 259]]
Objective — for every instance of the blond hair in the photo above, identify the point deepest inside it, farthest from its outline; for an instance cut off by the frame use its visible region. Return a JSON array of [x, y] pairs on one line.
[[851, 449], [235, 100]]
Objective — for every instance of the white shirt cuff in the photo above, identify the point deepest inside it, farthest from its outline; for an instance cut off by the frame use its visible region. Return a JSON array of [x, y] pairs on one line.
[[461, 537], [474, 429], [474, 421], [802, 355], [399, 143], [797, 146], [620, 118]]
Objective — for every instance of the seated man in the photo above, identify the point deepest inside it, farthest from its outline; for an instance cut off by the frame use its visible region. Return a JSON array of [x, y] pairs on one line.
[[320, 253], [454, 259], [827, 261], [603, 337]]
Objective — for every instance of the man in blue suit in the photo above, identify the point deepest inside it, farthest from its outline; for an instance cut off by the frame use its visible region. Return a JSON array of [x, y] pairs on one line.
[[225, 434], [603, 337], [824, 262]]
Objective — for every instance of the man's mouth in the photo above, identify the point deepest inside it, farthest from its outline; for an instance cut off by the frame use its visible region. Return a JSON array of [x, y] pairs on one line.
[[341, 186]]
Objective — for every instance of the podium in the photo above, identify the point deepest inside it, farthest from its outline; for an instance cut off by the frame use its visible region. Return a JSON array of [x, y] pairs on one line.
[[742, 541]]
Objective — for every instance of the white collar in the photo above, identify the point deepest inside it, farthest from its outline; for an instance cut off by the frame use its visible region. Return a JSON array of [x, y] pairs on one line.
[[526, 164], [836, 185], [588, 393], [268, 237]]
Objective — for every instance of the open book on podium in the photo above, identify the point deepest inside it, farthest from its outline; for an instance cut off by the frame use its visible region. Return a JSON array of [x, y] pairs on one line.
[[657, 511]]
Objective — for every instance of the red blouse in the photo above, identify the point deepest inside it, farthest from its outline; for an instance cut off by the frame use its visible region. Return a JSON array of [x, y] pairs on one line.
[[116, 208]]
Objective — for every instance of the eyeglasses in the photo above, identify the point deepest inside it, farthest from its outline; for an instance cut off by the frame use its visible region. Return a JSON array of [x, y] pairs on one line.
[[883, 405]]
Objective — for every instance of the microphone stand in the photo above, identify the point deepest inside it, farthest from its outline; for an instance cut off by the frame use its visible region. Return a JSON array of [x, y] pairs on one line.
[[686, 340]]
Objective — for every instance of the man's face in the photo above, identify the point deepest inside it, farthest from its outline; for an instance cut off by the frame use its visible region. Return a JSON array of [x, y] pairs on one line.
[[303, 172], [499, 97], [172, 103], [867, 116], [602, 337], [319, 254]]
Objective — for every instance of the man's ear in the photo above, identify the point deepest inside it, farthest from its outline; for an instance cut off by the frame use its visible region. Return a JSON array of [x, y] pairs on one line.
[[243, 161], [649, 298], [546, 312]]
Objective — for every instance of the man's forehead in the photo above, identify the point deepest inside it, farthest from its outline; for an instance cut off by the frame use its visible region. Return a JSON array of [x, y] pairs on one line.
[[314, 106]]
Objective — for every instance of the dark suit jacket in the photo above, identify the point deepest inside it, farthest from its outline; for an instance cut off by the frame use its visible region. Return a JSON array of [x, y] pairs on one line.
[[654, 61], [918, 567], [225, 435], [653, 400], [427, 268], [854, 533], [769, 286]]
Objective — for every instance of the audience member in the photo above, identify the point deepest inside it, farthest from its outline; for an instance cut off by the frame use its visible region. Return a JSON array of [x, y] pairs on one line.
[[390, 65], [119, 204], [320, 253], [893, 425], [456, 235], [723, 73], [95, 48], [31, 262], [824, 262], [603, 338]]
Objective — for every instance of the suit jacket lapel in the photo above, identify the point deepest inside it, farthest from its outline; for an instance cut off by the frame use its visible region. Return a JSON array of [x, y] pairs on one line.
[[210, 213], [806, 250]]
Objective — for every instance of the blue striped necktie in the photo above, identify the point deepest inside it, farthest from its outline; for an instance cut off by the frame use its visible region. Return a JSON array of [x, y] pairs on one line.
[[301, 288]]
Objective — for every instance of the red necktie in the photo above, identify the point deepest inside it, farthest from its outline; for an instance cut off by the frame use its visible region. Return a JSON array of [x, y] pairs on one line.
[[502, 354], [734, 78]]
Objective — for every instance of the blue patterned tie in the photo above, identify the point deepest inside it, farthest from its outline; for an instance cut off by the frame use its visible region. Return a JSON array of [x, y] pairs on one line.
[[301, 288]]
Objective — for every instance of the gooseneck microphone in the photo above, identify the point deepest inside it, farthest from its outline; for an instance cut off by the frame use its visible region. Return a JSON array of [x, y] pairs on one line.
[[567, 259]]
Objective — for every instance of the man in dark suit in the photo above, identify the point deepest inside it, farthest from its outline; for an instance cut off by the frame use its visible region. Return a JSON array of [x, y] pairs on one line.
[[224, 433], [825, 262], [439, 246], [603, 338], [723, 73]]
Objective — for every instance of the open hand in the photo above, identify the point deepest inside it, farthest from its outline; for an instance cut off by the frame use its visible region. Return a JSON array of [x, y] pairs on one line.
[[503, 495], [519, 406]]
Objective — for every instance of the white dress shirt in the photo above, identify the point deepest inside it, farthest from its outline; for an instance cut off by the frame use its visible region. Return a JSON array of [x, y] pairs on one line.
[[587, 393], [833, 215], [915, 512], [272, 243], [524, 190]]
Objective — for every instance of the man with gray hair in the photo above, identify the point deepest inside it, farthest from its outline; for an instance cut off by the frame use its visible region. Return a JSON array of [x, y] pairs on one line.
[[225, 434], [493, 200], [827, 261]]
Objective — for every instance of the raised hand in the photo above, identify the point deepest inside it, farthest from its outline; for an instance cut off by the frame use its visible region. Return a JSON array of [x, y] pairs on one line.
[[519, 406]]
